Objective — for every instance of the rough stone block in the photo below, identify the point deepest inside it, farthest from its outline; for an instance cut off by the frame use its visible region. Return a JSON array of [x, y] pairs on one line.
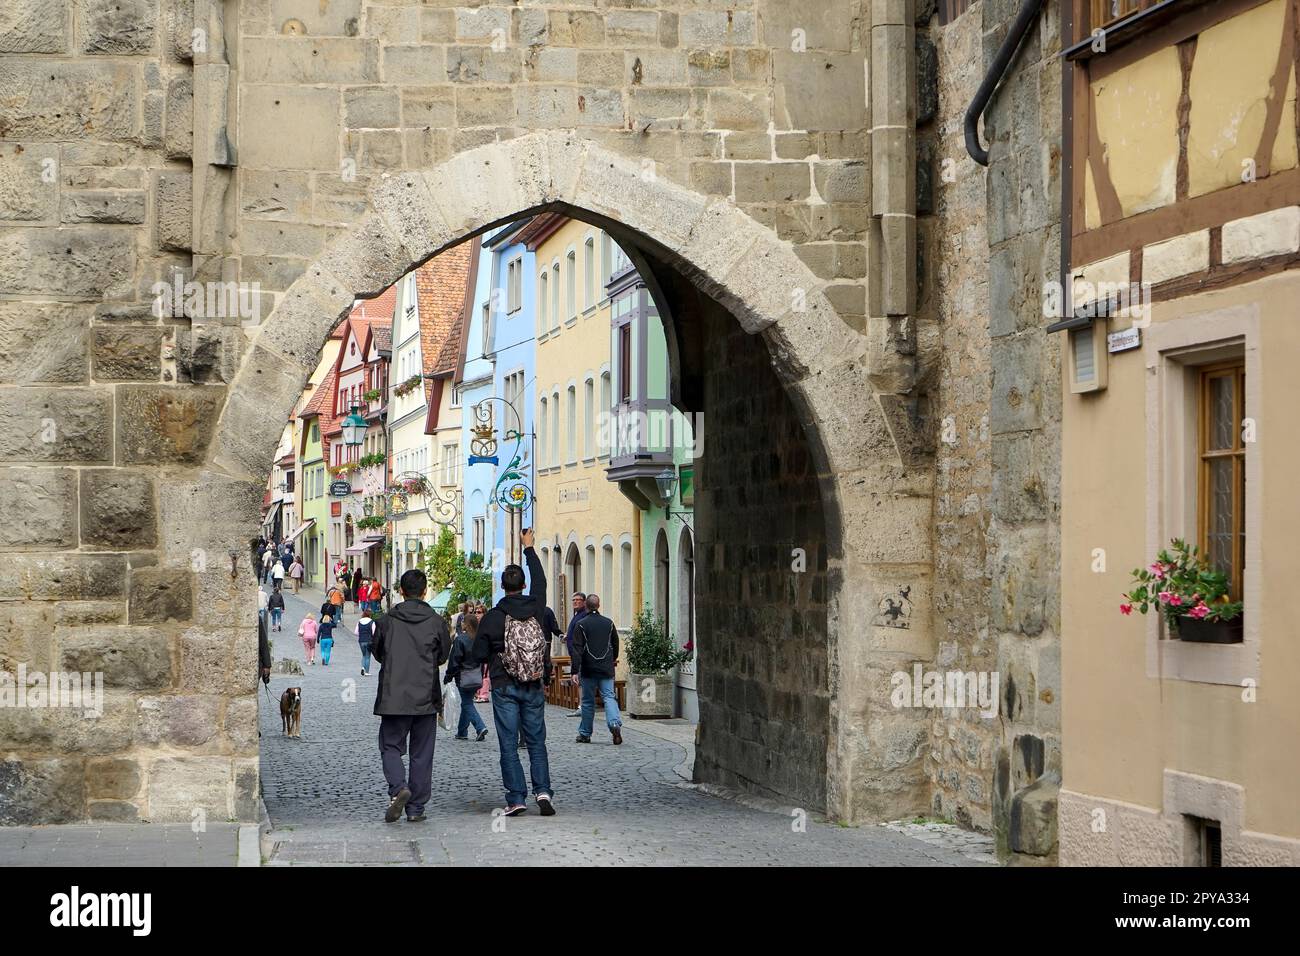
[[180, 785], [116, 26], [178, 721], [48, 424], [46, 343], [133, 658], [173, 205], [1033, 819], [113, 778], [34, 26], [38, 508], [178, 139], [161, 594], [159, 424], [104, 206], [58, 577], [310, 60], [28, 187], [418, 64], [77, 262], [716, 28], [60, 100], [34, 792], [819, 91], [772, 182], [301, 128], [372, 107], [214, 511], [113, 811], [336, 18], [126, 354]]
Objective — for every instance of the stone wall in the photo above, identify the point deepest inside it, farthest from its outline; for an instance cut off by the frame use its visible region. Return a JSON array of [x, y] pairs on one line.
[[955, 300], [763, 671], [1023, 131]]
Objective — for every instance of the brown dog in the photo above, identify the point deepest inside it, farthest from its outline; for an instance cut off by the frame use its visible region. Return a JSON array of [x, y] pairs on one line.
[[291, 711]]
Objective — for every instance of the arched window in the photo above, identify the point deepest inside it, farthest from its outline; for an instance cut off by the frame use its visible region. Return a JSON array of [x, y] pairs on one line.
[[589, 418], [571, 286], [606, 438], [626, 599], [555, 427], [589, 271], [543, 424], [541, 304], [607, 578], [571, 422], [555, 294], [663, 589], [686, 589]]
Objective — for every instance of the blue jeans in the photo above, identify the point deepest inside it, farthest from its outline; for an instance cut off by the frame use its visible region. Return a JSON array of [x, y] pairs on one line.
[[605, 685], [515, 708], [365, 655], [326, 646], [276, 614], [469, 713]]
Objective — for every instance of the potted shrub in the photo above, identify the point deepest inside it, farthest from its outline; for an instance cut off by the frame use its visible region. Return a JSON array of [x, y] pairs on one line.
[[1190, 595], [651, 657]]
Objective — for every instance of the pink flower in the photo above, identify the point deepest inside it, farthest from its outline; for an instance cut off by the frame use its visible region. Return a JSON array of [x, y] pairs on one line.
[[1176, 600], [1199, 611], [1126, 609], [1165, 596], [1158, 570]]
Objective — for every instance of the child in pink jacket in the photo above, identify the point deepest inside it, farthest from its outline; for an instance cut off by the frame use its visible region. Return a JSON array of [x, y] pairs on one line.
[[307, 631]]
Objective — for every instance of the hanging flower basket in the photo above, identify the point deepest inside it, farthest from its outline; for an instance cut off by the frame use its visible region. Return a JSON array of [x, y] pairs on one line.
[[410, 385]]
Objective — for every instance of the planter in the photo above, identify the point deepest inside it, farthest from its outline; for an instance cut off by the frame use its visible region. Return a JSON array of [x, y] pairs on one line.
[[1210, 632], [650, 695]]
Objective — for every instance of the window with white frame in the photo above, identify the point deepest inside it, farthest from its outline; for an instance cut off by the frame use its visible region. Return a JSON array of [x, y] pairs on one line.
[[589, 271], [555, 427], [543, 429], [588, 418], [487, 327], [606, 404], [513, 393], [571, 423], [450, 463], [571, 285], [514, 285], [479, 545], [606, 256], [555, 294], [543, 300]]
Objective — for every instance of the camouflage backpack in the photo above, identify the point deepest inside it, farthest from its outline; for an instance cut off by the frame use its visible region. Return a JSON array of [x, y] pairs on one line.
[[524, 657]]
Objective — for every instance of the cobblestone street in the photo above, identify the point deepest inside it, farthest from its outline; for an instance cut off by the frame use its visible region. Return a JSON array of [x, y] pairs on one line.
[[325, 794]]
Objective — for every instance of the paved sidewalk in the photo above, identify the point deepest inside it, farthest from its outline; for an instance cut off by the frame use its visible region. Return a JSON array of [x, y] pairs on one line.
[[126, 844]]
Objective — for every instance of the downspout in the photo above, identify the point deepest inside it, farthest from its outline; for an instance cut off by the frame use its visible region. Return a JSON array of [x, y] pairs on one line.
[[1019, 28]]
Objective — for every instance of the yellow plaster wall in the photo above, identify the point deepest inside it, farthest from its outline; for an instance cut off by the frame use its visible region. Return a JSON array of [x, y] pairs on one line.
[[1232, 74], [1121, 728]]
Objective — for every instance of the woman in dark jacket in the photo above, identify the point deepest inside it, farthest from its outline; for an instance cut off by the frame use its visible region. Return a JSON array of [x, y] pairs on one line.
[[467, 676], [356, 587]]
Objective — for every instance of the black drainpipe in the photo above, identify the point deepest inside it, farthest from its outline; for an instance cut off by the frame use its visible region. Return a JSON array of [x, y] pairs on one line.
[[1028, 13]]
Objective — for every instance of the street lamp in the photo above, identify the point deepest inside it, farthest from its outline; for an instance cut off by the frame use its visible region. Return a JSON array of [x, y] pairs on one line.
[[667, 482], [354, 429]]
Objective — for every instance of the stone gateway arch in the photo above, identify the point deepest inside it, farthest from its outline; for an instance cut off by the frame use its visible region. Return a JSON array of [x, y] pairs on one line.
[[758, 163]]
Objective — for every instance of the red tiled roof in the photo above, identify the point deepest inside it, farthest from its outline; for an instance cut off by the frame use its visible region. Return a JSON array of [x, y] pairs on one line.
[[440, 290], [322, 406]]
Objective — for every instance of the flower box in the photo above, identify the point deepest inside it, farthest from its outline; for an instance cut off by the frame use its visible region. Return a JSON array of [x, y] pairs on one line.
[[1206, 631]]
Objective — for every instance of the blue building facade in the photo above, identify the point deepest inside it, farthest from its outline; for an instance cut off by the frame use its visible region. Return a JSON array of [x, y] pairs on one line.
[[500, 364]]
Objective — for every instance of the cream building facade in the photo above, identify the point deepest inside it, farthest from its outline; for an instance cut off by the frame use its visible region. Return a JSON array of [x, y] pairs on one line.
[[588, 532]]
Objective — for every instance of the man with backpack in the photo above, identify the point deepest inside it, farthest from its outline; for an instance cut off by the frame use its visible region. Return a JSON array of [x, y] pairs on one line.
[[595, 655], [411, 642], [512, 640]]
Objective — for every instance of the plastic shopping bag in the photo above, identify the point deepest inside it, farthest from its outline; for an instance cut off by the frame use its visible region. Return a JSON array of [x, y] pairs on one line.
[[450, 718]]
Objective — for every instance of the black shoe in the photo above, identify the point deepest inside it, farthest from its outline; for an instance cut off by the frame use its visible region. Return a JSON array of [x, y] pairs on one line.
[[418, 818], [618, 735], [544, 805], [583, 739], [397, 805], [482, 734], [462, 737], [514, 810]]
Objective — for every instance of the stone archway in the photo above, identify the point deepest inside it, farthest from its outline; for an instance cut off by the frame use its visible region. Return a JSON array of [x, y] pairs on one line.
[[874, 503]]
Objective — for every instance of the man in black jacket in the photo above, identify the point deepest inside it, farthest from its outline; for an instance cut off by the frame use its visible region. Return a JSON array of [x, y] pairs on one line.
[[411, 642], [519, 704], [595, 655]]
